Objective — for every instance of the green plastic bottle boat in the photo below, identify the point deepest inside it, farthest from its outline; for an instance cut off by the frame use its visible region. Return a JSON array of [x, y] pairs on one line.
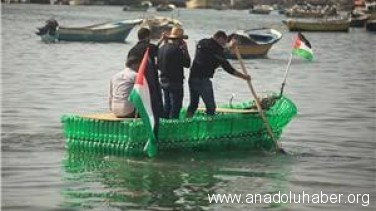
[[237, 126]]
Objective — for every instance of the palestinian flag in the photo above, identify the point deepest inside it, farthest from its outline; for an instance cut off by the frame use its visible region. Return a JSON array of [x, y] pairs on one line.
[[145, 98], [303, 48]]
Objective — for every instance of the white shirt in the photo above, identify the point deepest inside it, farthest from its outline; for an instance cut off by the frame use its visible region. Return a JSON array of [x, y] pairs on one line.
[[121, 85]]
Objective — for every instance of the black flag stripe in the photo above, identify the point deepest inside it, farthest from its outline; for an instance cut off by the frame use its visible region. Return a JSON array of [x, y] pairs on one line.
[[303, 39]]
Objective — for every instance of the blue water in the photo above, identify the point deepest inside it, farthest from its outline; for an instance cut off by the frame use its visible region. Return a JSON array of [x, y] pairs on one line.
[[331, 142]]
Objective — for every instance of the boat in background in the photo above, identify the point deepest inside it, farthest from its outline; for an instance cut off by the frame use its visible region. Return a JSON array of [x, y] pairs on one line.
[[197, 4], [253, 43], [165, 7], [143, 7], [321, 25], [311, 11], [116, 31], [261, 10], [303, 14], [370, 9], [358, 17], [371, 25], [158, 25], [221, 6], [358, 21], [136, 8]]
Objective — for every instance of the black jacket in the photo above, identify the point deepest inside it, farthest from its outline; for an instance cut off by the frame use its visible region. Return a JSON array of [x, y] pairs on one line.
[[209, 56], [171, 62], [139, 50]]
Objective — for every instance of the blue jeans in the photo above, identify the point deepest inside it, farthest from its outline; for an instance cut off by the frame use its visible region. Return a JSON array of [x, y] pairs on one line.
[[172, 101], [201, 88]]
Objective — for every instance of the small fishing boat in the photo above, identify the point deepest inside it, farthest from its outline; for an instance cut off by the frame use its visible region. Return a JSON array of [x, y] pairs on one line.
[[235, 126], [165, 7], [310, 11], [371, 25], [158, 25], [358, 21], [106, 32], [136, 8], [261, 10], [282, 11], [253, 43], [220, 7], [198, 4], [322, 25], [370, 9], [142, 7], [303, 14]]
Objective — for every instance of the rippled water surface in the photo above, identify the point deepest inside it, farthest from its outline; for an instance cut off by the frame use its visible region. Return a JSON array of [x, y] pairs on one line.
[[331, 142]]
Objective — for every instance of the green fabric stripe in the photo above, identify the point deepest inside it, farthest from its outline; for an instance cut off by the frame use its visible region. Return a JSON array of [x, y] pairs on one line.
[[150, 147], [303, 53]]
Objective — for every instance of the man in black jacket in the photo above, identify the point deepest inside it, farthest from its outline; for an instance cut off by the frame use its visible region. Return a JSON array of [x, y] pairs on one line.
[[173, 56], [138, 51], [143, 43], [209, 56]]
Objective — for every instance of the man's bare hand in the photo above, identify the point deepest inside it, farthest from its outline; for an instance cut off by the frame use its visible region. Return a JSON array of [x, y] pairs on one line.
[[231, 44]]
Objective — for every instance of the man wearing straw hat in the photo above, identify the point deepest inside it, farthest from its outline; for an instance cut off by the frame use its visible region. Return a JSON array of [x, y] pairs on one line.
[[209, 56], [173, 56]]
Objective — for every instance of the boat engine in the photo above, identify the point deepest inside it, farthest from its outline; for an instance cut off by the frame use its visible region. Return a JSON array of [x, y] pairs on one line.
[[50, 28]]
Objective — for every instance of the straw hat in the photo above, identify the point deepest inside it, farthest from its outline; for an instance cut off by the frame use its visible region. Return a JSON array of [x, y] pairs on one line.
[[177, 33]]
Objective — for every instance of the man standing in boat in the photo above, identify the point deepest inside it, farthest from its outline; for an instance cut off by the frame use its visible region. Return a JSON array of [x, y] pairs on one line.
[[209, 56], [144, 37], [173, 56], [122, 83]]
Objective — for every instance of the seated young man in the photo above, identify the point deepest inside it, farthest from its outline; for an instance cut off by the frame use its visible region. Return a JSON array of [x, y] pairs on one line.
[[121, 85]]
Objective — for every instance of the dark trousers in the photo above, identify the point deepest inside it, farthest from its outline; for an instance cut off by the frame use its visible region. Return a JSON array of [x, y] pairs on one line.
[[172, 101], [201, 88]]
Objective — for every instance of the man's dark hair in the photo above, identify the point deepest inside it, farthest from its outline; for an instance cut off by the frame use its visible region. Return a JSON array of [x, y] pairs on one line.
[[133, 60], [143, 33], [220, 34]]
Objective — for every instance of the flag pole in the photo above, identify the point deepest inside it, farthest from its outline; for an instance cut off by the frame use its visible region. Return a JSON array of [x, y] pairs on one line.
[[285, 77]]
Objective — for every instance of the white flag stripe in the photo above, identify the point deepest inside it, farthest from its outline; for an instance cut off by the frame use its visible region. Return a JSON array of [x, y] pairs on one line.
[[303, 46], [144, 93]]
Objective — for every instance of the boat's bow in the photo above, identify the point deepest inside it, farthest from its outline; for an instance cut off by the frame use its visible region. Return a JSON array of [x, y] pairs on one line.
[[254, 43]]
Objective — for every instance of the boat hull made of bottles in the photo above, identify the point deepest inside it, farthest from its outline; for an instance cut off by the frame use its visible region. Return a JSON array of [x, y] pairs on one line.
[[238, 126]]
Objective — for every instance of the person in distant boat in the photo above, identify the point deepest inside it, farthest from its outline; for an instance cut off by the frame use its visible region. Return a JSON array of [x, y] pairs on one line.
[[209, 56], [173, 57], [121, 85]]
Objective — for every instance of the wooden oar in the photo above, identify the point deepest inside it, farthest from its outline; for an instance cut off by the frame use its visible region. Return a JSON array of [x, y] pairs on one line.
[[258, 105]]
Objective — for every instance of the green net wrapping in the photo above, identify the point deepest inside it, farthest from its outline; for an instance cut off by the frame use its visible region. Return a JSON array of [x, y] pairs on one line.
[[202, 132]]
